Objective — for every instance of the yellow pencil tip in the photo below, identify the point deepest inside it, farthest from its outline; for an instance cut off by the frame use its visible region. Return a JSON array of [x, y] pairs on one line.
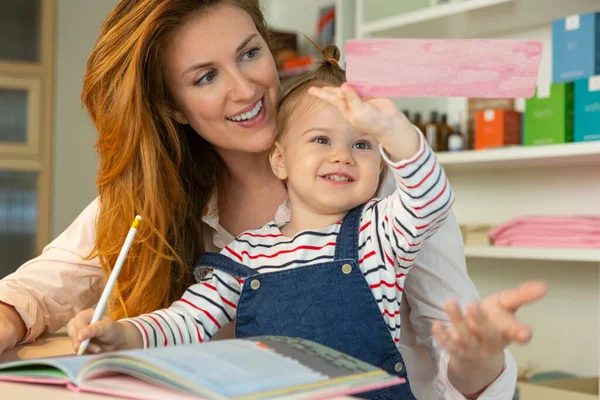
[[136, 221]]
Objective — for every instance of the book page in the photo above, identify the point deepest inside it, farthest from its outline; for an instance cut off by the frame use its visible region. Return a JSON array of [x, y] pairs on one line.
[[228, 368], [61, 369]]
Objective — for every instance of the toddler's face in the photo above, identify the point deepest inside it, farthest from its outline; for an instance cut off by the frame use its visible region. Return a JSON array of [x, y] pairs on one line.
[[330, 166]]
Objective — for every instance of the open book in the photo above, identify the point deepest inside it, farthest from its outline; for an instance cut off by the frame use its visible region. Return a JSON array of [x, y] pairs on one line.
[[265, 367]]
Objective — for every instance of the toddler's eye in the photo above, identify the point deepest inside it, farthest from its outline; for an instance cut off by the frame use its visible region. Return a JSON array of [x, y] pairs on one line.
[[320, 140], [362, 145]]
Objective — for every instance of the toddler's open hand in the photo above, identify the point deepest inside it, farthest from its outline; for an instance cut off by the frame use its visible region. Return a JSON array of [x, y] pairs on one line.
[[488, 326]]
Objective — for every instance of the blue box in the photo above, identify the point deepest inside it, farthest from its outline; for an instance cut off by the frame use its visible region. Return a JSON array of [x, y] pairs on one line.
[[575, 47], [587, 109]]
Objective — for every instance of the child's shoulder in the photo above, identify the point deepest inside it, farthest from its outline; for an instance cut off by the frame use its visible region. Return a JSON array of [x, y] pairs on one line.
[[249, 238], [267, 230], [247, 242]]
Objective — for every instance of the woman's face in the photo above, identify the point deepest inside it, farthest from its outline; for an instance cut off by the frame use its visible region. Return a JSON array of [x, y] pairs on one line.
[[223, 79]]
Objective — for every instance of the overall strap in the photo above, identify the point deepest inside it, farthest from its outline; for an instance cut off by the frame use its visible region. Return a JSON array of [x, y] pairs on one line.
[[346, 246], [223, 263]]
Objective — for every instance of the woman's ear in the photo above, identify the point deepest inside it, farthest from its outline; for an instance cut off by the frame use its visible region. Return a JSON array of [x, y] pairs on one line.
[[277, 161], [179, 117]]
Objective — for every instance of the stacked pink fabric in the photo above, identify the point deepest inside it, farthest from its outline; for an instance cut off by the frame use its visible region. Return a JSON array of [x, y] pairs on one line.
[[549, 231]]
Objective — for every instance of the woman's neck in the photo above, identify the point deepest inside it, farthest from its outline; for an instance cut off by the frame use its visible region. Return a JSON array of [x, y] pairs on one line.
[[253, 193], [248, 170]]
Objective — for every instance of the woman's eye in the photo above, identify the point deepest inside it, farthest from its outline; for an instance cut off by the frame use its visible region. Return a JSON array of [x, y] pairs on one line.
[[252, 53], [362, 145], [207, 78], [320, 140]]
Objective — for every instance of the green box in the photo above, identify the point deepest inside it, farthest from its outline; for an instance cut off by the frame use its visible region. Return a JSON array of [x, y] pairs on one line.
[[549, 115]]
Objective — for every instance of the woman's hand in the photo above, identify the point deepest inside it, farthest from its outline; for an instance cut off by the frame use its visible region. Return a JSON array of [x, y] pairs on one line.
[[378, 117], [12, 327], [477, 339], [106, 334]]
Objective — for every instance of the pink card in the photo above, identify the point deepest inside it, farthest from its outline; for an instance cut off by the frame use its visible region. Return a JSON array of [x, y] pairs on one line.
[[443, 67]]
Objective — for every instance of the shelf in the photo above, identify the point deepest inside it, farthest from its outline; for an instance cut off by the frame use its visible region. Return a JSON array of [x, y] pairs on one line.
[[568, 154], [471, 18], [530, 253], [428, 14]]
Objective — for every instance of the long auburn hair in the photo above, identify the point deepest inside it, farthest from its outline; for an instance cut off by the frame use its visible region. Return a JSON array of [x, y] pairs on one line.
[[149, 164]]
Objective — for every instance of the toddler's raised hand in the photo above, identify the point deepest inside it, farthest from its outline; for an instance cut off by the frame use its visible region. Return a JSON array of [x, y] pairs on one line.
[[378, 117]]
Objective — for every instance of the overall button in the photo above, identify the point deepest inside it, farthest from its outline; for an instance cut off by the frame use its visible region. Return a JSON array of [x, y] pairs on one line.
[[255, 284], [346, 269], [398, 367]]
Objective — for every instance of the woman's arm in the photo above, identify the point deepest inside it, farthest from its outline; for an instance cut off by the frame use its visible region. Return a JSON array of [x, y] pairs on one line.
[[440, 274], [50, 289]]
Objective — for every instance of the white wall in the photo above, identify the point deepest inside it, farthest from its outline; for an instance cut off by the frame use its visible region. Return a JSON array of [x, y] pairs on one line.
[[295, 16], [74, 157], [567, 322]]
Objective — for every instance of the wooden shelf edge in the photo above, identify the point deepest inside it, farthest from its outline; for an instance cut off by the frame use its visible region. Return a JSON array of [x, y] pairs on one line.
[[20, 165]]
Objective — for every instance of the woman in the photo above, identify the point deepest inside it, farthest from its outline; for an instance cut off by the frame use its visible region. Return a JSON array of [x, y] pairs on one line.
[[182, 93]]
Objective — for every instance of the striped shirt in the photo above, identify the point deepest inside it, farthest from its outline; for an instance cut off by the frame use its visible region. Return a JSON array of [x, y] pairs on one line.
[[392, 231]]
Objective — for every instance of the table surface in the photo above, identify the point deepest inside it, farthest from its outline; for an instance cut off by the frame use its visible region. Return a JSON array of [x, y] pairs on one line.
[[48, 345]]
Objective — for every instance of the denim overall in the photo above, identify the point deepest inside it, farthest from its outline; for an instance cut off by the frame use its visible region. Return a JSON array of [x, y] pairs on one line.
[[329, 303]]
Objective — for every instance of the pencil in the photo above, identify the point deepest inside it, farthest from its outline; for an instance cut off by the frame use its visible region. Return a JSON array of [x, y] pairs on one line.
[[112, 280]]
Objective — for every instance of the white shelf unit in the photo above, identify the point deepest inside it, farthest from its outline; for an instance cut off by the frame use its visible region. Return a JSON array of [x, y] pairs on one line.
[[534, 253], [424, 15], [558, 155], [496, 185], [493, 186], [469, 18]]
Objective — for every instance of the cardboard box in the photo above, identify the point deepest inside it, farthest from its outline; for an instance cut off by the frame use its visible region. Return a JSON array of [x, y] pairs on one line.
[[496, 128], [476, 235], [586, 124], [559, 389], [474, 106], [549, 115], [575, 47]]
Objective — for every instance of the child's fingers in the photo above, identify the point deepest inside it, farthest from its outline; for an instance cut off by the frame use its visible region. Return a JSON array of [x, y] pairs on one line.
[[333, 96], [324, 94], [443, 337], [460, 331], [476, 320], [93, 348], [525, 293], [351, 96], [517, 332], [441, 333], [101, 330]]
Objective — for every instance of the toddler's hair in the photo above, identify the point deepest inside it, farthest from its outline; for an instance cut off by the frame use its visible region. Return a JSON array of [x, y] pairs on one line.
[[328, 73]]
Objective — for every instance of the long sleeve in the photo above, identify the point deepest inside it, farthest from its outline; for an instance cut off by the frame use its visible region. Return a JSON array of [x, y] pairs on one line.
[[202, 311], [404, 220], [50, 289]]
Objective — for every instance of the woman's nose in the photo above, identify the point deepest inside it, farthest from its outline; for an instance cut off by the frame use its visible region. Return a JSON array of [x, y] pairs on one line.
[[242, 88]]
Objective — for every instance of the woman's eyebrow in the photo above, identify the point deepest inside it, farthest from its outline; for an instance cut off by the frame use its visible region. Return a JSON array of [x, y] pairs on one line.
[[196, 67]]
